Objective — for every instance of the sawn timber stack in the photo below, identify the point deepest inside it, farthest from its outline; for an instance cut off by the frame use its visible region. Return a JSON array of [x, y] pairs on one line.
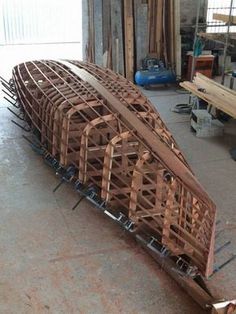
[[98, 122]]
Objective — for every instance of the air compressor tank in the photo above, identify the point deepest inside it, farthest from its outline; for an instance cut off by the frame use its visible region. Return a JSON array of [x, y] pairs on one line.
[[154, 72], [154, 76]]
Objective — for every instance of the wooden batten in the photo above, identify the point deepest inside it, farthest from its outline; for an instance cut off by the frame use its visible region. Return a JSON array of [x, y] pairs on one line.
[[129, 39], [159, 28], [91, 36], [177, 39], [117, 36], [213, 93]]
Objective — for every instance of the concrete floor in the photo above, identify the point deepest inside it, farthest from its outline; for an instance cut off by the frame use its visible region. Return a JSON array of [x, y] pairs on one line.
[[55, 260]]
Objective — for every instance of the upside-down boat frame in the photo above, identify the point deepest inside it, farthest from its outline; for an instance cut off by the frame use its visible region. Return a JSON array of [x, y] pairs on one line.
[[98, 124]]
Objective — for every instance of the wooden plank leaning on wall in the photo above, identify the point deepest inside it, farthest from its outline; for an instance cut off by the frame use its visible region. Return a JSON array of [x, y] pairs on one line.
[[107, 44], [117, 36], [90, 48], [164, 32], [159, 26], [129, 39], [141, 31], [155, 27], [177, 38]]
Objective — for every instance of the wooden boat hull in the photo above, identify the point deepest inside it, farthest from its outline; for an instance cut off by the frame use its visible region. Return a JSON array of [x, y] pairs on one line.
[[97, 122]]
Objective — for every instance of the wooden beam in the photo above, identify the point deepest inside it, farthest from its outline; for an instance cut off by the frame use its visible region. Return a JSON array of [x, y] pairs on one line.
[[224, 18], [85, 23], [106, 33], [213, 93], [177, 37], [91, 34], [117, 36], [129, 39], [171, 37], [98, 37], [159, 29], [141, 31]]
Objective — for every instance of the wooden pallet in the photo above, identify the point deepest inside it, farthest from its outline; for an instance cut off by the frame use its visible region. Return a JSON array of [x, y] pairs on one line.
[[97, 121]]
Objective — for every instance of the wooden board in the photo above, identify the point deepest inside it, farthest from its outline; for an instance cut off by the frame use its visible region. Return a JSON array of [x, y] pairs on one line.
[[91, 33], [117, 37], [129, 39], [141, 31], [177, 39], [159, 29], [224, 18], [98, 36]]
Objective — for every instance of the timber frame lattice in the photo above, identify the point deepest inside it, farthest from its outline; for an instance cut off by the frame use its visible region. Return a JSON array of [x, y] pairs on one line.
[[98, 125]]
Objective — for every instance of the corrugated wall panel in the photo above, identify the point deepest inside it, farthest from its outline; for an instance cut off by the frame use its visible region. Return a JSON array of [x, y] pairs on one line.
[[40, 21]]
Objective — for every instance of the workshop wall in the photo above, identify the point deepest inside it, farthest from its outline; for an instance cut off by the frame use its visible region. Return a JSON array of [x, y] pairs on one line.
[[104, 31]]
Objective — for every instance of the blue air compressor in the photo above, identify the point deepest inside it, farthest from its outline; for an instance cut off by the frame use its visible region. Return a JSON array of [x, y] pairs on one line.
[[154, 72]]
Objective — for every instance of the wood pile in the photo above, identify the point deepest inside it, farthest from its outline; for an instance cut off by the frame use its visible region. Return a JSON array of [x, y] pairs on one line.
[[97, 122], [121, 43], [164, 38], [213, 93]]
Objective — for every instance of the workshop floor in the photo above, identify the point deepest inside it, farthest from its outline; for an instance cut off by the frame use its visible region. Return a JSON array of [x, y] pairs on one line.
[[55, 260]]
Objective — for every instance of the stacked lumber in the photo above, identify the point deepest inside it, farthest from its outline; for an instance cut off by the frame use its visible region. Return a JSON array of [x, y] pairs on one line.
[[164, 30], [213, 93], [121, 42], [99, 123]]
